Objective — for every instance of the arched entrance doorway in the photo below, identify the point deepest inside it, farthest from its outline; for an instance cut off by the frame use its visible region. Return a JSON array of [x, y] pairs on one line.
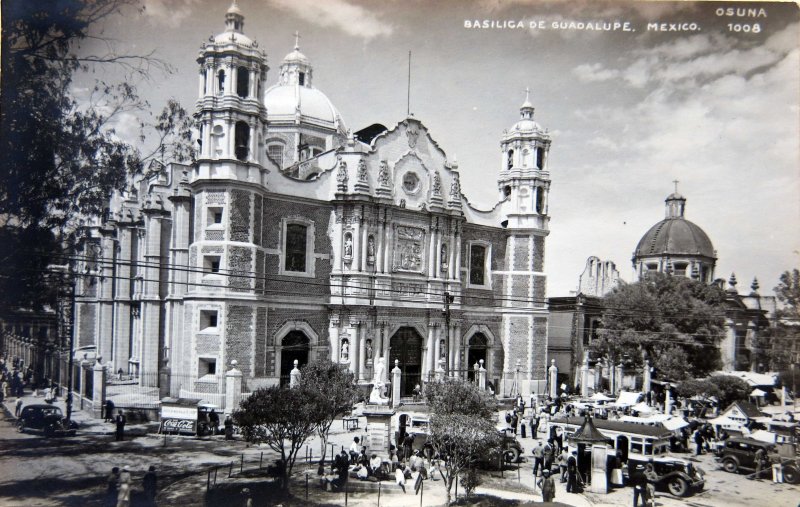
[[406, 347], [477, 352], [295, 345]]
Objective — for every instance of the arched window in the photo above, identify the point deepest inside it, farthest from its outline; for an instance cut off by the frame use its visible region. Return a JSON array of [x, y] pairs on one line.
[[477, 265], [302, 78], [242, 140], [296, 240], [540, 158], [242, 82], [220, 82], [540, 200], [275, 153], [510, 159]]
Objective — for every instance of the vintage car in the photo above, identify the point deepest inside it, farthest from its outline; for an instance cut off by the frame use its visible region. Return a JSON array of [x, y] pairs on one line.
[[676, 475], [47, 419], [739, 453]]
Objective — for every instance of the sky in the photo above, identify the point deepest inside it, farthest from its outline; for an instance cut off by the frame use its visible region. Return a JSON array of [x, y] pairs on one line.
[[711, 101]]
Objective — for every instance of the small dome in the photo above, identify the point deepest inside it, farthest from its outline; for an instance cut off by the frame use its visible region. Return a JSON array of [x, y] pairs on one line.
[[233, 37], [526, 125], [296, 57], [283, 101], [675, 236], [234, 8]]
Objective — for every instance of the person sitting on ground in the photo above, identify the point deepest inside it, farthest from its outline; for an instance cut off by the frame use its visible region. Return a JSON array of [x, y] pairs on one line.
[[400, 478], [355, 449]]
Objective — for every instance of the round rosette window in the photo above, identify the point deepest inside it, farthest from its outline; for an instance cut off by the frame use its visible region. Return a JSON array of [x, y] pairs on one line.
[[410, 182]]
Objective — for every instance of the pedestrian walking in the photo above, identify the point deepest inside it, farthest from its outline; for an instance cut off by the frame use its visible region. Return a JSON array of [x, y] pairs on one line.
[[534, 425], [760, 459], [548, 455], [18, 407], [538, 458], [150, 486], [213, 419], [572, 473], [514, 421], [228, 428], [124, 494], [548, 487], [120, 422], [562, 464], [698, 440], [112, 487]]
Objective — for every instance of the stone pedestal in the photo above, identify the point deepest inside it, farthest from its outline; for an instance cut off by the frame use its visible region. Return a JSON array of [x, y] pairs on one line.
[[233, 388], [163, 382], [379, 429], [553, 379], [98, 389]]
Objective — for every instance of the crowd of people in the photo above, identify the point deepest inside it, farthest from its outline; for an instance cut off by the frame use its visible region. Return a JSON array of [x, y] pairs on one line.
[[403, 465]]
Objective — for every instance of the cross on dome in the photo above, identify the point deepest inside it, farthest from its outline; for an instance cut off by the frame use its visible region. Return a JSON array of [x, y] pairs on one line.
[[526, 110], [297, 40]]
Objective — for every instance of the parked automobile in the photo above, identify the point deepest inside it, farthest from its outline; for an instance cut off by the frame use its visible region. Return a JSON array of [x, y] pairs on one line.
[[739, 453], [509, 451], [676, 475], [46, 419]]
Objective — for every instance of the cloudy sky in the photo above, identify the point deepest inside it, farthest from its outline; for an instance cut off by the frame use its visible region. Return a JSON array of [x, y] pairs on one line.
[[714, 106]]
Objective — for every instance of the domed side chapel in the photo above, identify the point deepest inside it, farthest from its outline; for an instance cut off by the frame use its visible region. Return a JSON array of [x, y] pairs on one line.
[[292, 238]]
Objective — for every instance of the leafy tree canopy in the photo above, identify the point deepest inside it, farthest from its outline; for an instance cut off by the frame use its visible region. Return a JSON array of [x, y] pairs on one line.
[[332, 390], [62, 157], [281, 418], [675, 321]]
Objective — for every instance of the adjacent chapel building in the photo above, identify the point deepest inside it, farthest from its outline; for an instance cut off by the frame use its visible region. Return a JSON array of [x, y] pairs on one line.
[[294, 238]]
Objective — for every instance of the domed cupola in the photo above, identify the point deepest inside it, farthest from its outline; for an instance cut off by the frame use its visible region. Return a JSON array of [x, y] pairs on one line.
[[303, 122], [676, 246]]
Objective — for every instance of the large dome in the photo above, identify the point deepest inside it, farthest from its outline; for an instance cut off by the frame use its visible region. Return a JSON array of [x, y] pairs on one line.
[[675, 236], [284, 101]]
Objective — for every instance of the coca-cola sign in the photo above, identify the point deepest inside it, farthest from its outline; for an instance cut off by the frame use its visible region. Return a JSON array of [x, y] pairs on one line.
[[186, 425]]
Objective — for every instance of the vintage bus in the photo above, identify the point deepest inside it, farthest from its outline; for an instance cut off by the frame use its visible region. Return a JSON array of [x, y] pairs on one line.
[[639, 441]]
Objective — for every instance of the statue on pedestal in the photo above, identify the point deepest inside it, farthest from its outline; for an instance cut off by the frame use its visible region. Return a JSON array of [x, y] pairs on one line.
[[378, 384]]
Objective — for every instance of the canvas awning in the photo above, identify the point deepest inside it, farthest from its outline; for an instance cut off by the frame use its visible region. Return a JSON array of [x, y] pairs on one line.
[[627, 398], [758, 392], [642, 408], [601, 397], [675, 423], [763, 436]]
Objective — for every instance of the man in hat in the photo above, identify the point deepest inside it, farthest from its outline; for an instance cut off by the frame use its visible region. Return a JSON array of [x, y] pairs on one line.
[[538, 458], [548, 486], [150, 485], [572, 473]]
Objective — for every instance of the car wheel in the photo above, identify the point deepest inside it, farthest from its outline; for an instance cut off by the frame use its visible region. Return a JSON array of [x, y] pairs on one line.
[[730, 465], [678, 486], [791, 475], [511, 455], [21, 426]]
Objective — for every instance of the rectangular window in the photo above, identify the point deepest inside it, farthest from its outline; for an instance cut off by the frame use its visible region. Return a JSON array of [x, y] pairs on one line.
[[296, 247], [208, 320], [275, 153], [211, 263], [207, 366], [477, 265], [214, 216]]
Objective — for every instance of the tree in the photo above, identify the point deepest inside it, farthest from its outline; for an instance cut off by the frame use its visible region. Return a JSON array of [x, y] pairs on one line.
[[462, 426], [61, 156], [788, 293], [281, 418], [730, 389], [665, 318], [333, 392]]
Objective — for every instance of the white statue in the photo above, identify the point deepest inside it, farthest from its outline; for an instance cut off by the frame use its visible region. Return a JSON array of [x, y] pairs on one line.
[[345, 355], [376, 396]]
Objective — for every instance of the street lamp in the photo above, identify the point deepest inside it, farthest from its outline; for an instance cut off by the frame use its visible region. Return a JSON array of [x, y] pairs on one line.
[[446, 311]]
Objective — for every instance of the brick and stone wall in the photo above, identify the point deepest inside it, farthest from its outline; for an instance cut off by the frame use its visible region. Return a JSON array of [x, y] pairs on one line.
[[239, 327]]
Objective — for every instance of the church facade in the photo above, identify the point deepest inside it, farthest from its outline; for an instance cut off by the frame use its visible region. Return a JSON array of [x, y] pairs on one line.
[[293, 238]]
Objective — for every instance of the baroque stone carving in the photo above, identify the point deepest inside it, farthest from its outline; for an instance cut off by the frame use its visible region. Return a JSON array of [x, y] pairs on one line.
[[455, 188], [413, 134], [362, 171], [437, 183], [408, 248], [383, 175], [341, 175]]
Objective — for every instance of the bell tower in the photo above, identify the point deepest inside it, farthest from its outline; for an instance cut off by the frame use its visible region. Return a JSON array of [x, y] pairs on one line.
[[524, 184], [524, 181], [230, 114]]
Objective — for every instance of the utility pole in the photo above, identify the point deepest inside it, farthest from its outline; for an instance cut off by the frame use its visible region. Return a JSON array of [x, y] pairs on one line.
[[447, 300], [67, 325]]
